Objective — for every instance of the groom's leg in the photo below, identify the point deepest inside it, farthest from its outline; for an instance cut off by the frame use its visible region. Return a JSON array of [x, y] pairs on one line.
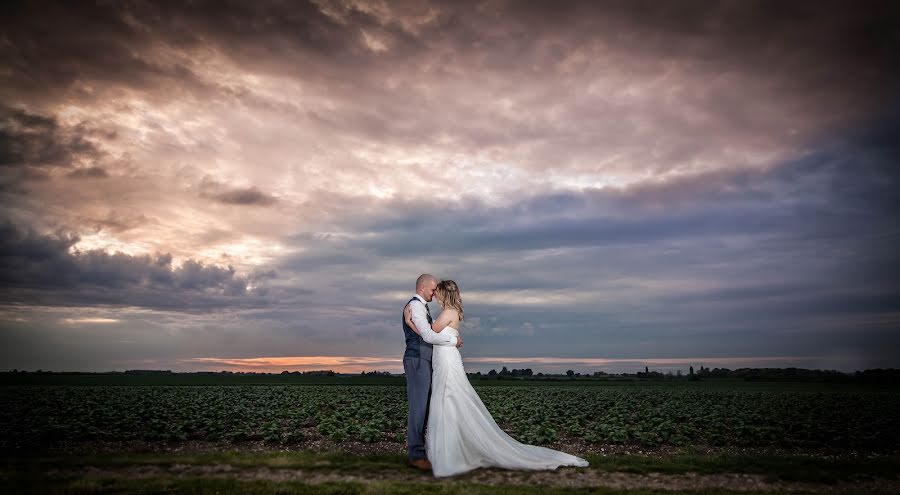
[[418, 381], [427, 365]]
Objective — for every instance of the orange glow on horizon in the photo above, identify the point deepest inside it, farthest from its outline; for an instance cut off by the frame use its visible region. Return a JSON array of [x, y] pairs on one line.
[[357, 364], [340, 364]]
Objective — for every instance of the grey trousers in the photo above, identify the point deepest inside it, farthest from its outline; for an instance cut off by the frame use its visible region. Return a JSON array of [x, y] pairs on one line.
[[418, 394]]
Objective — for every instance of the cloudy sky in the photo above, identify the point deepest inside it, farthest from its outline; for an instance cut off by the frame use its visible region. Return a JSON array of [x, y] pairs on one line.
[[613, 184]]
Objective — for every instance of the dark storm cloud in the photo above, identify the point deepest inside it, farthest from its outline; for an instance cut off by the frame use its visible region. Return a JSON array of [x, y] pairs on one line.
[[34, 140], [52, 45], [42, 270], [33, 144], [834, 30], [223, 193], [248, 196], [118, 222], [77, 48], [88, 173]]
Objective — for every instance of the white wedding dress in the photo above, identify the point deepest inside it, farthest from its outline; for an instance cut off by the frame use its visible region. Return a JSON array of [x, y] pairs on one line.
[[461, 433]]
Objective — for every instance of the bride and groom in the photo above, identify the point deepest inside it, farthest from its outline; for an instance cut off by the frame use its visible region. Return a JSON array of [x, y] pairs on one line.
[[462, 435]]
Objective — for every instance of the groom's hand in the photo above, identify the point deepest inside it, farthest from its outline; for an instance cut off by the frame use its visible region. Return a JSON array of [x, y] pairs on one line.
[[458, 342]]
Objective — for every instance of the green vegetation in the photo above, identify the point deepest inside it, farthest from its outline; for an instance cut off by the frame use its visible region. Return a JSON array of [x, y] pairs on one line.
[[41, 416], [816, 433], [876, 383]]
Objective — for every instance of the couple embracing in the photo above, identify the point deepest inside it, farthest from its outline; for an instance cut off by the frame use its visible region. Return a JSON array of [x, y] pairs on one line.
[[462, 434]]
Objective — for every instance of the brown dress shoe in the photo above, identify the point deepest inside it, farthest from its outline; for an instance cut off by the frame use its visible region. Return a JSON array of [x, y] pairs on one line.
[[422, 464]]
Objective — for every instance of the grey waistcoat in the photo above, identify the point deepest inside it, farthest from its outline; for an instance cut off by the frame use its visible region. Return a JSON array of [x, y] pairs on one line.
[[415, 345]]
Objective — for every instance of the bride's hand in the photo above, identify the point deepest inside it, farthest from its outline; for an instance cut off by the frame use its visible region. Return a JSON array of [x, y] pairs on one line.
[[407, 315]]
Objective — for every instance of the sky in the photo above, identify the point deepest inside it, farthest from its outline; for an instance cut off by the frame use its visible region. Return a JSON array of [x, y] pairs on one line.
[[255, 186]]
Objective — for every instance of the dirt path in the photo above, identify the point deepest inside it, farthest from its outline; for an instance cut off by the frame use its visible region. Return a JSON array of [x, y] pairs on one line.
[[563, 477], [320, 472], [357, 448]]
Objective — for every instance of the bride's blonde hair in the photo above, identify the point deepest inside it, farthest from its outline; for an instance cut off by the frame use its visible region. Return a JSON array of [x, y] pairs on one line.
[[450, 296]]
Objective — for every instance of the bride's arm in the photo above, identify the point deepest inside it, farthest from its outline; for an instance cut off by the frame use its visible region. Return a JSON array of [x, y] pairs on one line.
[[443, 320], [408, 316], [421, 327]]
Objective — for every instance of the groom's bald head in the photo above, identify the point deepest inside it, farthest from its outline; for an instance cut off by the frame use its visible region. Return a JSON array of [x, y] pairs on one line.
[[424, 279], [425, 286]]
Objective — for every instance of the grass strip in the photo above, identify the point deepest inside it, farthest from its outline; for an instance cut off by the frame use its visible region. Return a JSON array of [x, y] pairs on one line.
[[218, 486], [773, 468]]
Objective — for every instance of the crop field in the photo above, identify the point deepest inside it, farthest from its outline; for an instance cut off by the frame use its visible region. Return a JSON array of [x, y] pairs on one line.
[[289, 435], [292, 415]]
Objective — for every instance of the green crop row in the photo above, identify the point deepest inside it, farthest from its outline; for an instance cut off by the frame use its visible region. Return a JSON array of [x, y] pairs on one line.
[[45, 415]]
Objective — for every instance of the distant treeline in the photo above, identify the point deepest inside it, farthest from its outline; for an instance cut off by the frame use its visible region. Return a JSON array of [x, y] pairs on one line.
[[890, 375], [878, 375]]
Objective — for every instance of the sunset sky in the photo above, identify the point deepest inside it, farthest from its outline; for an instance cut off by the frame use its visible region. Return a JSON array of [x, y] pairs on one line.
[[613, 184]]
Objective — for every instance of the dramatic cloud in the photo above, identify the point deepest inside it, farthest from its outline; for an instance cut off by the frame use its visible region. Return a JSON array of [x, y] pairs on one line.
[[240, 196], [612, 184], [41, 269], [88, 173], [36, 140]]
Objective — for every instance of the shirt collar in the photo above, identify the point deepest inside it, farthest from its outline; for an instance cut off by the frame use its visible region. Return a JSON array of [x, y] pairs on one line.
[[421, 298]]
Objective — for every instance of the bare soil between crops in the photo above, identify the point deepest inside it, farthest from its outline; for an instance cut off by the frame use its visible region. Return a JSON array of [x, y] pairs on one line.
[[323, 444], [562, 477]]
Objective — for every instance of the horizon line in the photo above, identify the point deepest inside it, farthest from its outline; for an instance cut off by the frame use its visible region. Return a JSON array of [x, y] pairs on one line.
[[545, 364]]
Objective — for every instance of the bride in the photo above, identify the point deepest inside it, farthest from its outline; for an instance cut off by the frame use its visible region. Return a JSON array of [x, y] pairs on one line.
[[462, 435]]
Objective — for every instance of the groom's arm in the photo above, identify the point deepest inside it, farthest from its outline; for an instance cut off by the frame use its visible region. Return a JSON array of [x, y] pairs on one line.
[[417, 310]]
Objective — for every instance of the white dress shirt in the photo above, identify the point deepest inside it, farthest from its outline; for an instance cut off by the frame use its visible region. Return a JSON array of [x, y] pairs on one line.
[[420, 320]]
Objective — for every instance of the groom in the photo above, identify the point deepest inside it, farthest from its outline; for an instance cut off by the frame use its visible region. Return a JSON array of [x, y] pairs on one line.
[[417, 366]]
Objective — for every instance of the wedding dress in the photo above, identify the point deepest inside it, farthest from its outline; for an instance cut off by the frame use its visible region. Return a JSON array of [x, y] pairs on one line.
[[462, 435]]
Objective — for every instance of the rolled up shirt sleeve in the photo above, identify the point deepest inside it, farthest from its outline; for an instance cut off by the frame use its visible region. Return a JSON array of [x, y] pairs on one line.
[[419, 318]]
